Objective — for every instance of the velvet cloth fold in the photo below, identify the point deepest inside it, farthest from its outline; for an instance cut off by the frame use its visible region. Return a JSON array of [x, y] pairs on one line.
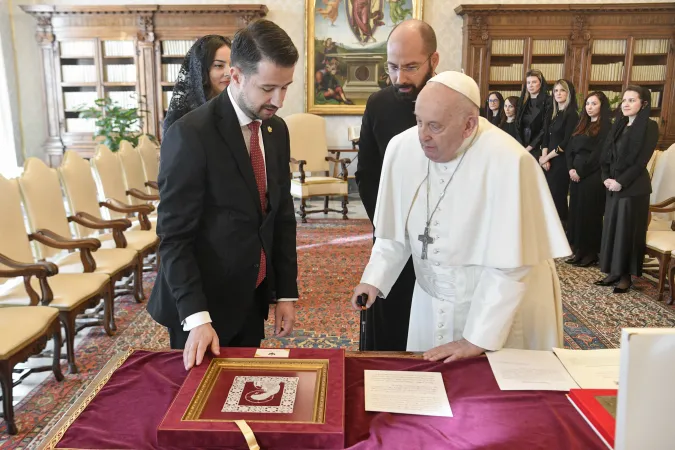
[[127, 410]]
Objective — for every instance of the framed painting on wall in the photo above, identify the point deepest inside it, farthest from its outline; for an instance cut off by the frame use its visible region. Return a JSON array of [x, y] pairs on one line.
[[346, 45]]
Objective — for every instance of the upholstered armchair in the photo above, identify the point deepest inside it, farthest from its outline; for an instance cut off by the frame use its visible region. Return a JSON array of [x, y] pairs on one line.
[[149, 152], [661, 245], [309, 157], [112, 184], [132, 165], [24, 332], [80, 191], [22, 277], [47, 218]]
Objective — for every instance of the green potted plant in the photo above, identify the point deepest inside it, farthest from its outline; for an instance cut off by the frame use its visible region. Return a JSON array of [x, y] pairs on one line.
[[115, 123]]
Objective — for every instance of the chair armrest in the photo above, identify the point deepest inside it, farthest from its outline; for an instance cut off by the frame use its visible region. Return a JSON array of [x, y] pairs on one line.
[[41, 270], [301, 168], [664, 203], [142, 195], [152, 184], [86, 246], [96, 223], [121, 207], [343, 163]]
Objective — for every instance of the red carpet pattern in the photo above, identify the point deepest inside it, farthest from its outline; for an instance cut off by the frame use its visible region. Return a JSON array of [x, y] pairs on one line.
[[332, 254]]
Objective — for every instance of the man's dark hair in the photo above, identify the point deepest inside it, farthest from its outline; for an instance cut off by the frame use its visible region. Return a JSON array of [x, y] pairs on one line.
[[262, 39]]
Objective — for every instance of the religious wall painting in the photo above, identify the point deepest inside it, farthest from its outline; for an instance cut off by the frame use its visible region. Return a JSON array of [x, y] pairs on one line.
[[347, 50]]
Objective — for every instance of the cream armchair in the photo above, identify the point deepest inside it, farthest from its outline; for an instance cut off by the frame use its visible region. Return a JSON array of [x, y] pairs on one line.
[[661, 246], [112, 184], [23, 333], [309, 153], [149, 152], [70, 293], [47, 217], [80, 192], [132, 165]]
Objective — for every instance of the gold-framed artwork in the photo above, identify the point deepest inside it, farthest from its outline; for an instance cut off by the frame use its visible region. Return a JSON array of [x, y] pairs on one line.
[[346, 50]]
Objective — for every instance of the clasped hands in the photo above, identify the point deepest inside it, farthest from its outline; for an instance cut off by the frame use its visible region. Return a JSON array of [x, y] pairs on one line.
[[204, 337], [452, 351], [574, 176], [612, 185]]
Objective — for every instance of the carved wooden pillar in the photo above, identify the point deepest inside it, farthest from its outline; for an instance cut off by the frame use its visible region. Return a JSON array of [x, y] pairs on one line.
[[475, 58], [146, 72], [578, 51], [48, 49]]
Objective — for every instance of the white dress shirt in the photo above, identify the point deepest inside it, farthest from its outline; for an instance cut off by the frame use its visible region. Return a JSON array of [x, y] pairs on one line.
[[203, 317]]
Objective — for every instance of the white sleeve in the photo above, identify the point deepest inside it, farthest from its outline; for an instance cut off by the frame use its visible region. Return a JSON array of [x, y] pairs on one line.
[[494, 304], [196, 319], [387, 260]]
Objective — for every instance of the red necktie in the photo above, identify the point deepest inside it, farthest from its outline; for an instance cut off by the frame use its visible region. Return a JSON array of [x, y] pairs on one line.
[[258, 164]]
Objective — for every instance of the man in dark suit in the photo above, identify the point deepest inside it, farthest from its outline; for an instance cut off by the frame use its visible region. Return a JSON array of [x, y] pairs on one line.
[[226, 219]]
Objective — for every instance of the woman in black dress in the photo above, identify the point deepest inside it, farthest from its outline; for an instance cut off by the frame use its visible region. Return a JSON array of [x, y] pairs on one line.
[[205, 73], [629, 147], [533, 108], [587, 192], [494, 108], [509, 122], [559, 127]]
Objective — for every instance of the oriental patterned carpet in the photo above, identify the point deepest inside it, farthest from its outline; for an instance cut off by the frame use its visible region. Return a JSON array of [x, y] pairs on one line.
[[332, 254]]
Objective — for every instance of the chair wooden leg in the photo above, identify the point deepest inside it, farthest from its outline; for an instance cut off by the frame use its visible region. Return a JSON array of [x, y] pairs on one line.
[[664, 261], [56, 363], [138, 280], [345, 201], [325, 205], [303, 212], [671, 280], [109, 309], [7, 397], [68, 321]]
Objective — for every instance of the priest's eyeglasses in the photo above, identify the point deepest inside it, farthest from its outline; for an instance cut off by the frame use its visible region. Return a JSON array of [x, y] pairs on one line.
[[390, 68]]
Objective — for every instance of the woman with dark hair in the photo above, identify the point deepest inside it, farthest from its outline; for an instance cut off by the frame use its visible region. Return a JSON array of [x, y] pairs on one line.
[[205, 73], [509, 122], [559, 127], [533, 107], [494, 108], [587, 193], [629, 147]]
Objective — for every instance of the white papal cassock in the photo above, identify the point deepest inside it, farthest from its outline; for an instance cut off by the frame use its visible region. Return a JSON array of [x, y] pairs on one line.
[[489, 276]]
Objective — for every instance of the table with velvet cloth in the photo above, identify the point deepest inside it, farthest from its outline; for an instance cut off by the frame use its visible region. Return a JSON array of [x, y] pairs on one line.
[[124, 404]]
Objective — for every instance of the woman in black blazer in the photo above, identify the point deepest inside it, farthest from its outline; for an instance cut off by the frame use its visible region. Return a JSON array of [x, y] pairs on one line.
[[494, 108], [533, 107], [510, 113], [627, 152], [559, 127], [587, 193]]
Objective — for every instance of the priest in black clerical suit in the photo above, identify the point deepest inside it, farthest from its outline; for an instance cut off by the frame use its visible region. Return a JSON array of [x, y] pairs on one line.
[[411, 60]]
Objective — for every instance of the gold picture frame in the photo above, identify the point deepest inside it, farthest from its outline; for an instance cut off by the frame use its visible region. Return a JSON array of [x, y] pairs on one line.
[[345, 54]]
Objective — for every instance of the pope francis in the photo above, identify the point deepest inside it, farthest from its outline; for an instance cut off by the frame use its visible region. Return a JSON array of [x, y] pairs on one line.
[[473, 209]]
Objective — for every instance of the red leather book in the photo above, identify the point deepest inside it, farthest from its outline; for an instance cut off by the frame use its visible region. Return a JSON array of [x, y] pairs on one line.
[[598, 407], [287, 402]]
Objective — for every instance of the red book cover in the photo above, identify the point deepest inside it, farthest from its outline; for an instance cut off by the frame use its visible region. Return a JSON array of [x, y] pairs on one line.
[[296, 401], [598, 406]]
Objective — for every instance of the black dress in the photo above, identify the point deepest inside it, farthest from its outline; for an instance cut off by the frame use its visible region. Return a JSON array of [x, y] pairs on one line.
[[587, 197], [512, 129], [626, 212], [531, 126], [559, 131], [386, 115]]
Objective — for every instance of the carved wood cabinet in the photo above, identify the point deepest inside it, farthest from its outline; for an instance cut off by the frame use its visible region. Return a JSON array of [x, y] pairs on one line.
[[125, 53], [597, 46]]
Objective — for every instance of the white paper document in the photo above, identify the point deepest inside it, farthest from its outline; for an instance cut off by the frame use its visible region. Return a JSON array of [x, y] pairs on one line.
[[420, 393], [529, 370], [592, 369]]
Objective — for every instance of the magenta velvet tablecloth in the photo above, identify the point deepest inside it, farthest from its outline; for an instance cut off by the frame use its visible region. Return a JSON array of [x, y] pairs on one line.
[[126, 411]]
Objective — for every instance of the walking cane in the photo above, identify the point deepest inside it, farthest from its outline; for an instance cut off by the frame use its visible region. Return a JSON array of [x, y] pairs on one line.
[[361, 301]]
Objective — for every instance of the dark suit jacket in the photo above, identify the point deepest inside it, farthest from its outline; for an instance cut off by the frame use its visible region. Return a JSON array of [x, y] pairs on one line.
[[634, 179], [211, 224]]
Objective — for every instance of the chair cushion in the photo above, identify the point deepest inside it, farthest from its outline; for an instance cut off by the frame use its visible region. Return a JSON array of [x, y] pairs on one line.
[[661, 240], [20, 326], [319, 186], [138, 240], [658, 224], [70, 290], [108, 261]]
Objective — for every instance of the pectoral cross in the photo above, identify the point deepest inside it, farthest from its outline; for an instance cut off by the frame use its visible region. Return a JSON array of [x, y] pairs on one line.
[[425, 239]]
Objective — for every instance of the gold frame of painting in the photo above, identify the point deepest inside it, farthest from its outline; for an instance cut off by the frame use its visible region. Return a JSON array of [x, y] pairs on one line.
[[364, 75]]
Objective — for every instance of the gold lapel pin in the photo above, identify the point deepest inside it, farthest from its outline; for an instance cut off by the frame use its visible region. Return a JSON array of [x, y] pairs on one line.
[[269, 129]]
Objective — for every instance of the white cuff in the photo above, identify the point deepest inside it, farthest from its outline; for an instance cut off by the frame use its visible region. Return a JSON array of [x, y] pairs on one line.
[[287, 300], [196, 319]]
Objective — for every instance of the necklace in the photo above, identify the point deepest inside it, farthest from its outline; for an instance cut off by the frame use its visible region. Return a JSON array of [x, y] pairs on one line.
[[425, 239]]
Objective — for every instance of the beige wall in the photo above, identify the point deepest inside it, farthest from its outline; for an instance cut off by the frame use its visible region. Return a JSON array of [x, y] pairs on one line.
[[290, 14]]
